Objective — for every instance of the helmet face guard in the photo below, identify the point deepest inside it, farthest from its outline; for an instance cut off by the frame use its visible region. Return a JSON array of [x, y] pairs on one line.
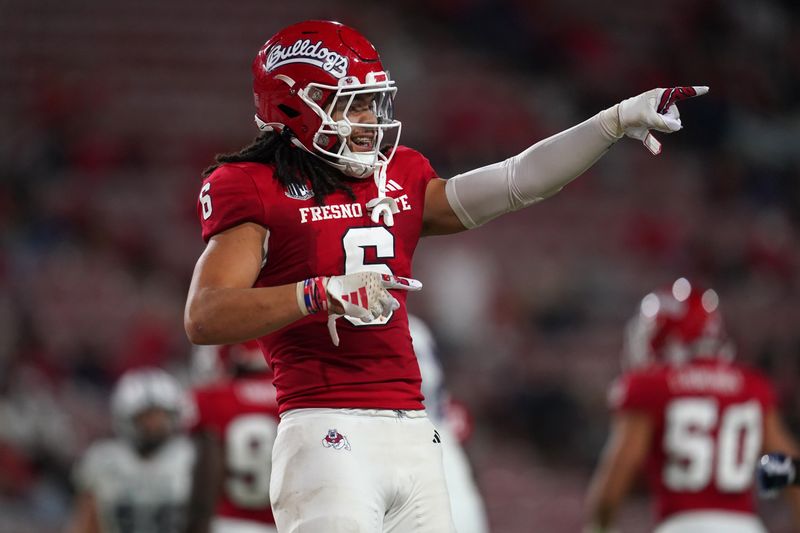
[[305, 73]]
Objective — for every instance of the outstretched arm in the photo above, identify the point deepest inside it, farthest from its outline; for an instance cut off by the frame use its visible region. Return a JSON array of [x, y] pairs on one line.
[[476, 197], [622, 459]]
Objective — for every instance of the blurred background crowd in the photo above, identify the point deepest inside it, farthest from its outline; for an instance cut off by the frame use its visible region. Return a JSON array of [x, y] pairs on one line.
[[109, 112]]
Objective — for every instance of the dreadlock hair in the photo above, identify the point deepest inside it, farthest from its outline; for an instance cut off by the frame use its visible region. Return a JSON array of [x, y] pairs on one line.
[[293, 165]]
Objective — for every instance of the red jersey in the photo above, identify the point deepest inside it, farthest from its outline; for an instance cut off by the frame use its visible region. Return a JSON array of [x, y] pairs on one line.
[[243, 414], [709, 424], [374, 365]]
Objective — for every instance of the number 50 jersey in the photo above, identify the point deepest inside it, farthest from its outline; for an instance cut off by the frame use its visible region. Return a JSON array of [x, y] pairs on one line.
[[374, 366], [708, 417]]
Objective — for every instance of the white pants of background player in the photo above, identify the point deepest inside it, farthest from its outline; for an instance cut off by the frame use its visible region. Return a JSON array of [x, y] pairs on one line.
[[466, 503], [711, 522], [232, 525], [385, 475]]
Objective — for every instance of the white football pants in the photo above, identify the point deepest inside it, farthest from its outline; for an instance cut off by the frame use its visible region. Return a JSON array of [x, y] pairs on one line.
[[711, 522], [358, 471], [231, 525], [466, 504]]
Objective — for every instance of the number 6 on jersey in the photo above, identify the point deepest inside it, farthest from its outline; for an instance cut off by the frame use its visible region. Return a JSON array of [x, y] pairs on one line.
[[355, 242]]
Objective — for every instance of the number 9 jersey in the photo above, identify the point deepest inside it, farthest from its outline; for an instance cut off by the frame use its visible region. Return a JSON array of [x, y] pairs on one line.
[[374, 366], [708, 418], [243, 415]]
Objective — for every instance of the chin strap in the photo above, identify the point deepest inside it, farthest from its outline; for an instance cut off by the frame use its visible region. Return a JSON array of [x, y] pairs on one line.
[[382, 206]]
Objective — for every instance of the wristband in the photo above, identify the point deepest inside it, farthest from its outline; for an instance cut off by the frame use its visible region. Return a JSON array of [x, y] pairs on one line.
[[311, 295]]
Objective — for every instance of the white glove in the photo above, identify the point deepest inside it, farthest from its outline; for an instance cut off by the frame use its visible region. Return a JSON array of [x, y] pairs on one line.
[[362, 295], [775, 471], [654, 109]]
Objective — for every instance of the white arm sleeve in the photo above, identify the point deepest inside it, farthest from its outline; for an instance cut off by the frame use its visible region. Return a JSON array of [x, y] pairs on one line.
[[542, 170]]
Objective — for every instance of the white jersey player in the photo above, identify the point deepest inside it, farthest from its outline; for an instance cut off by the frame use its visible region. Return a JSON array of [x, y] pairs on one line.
[[466, 504], [138, 482]]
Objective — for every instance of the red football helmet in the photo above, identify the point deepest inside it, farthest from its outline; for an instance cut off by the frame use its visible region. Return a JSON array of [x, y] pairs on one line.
[[674, 325], [307, 70]]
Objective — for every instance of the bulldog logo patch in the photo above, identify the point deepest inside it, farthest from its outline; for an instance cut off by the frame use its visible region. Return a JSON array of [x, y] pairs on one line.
[[335, 440]]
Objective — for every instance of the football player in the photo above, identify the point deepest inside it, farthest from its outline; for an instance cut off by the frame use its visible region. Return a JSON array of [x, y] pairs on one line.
[[234, 424], [311, 226], [690, 417], [452, 427], [139, 481]]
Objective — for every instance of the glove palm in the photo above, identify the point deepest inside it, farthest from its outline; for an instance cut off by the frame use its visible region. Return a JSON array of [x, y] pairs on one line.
[[362, 295]]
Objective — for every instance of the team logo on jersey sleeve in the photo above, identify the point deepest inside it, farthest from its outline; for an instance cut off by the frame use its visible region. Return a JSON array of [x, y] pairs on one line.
[[335, 440], [299, 192]]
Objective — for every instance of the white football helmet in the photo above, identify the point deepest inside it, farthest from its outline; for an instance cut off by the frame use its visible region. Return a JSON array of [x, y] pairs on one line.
[[142, 389]]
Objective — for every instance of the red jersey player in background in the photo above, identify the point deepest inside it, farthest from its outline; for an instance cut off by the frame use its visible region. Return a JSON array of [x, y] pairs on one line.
[[689, 416], [234, 424], [315, 222]]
